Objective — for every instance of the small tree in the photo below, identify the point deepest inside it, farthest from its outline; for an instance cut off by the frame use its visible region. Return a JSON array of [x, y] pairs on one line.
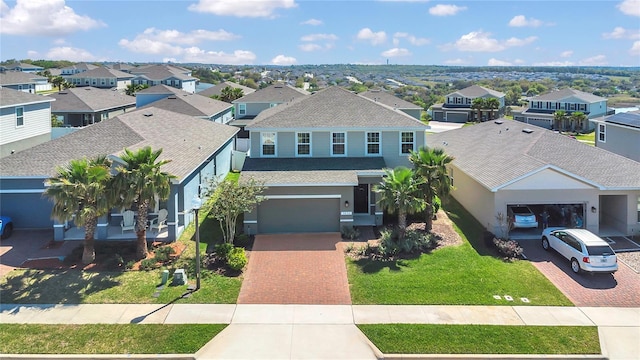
[[230, 199], [492, 104], [478, 104], [400, 191], [58, 81], [55, 122], [558, 118]]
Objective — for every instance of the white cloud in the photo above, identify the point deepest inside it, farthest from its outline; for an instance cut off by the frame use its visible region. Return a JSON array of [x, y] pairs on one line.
[[375, 38], [519, 62], [446, 10], [457, 61], [48, 18], [496, 62], [32, 54], [630, 7], [180, 38], [567, 53], [149, 46], [522, 21], [242, 8], [622, 33], [312, 22], [598, 60], [409, 1], [396, 52], [169, 60], [479, 41], [283, 60], [635, 49], [319, 37], [239, 57], [71, 54], [554, 63], [310, 47], [412, 39]]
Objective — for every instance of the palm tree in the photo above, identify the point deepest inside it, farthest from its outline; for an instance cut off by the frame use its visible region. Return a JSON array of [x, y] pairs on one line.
[[398, 192], [558, 119], [139, 181], [78, 192], [58, 81], [431, 166], [492, 104], [478, 104], [577, 118]]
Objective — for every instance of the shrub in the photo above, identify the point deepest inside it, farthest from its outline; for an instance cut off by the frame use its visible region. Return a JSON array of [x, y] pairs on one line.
[[129, 264], [437, 204], [509, 248], [237, 259], [350, 233], [163, 254], [148, 264], [242, 240], [223, 250]]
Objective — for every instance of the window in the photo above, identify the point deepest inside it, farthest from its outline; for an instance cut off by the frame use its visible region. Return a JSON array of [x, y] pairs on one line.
[[268, 143], [373, 143], [242, 109], [602, 132], [639, 209], [338, 143], [303, 144], [19, 116], [406, 142], [451, 176], [273, 105]]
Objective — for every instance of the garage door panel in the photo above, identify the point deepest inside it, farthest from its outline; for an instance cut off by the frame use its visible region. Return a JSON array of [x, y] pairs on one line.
[[457, 117], [298, 215]]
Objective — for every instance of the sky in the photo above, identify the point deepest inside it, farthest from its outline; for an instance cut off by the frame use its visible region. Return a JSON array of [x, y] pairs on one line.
[[299, 32]]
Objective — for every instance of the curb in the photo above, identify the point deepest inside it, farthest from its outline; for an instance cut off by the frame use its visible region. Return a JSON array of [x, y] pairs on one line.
[[489, 356], [98, 357]]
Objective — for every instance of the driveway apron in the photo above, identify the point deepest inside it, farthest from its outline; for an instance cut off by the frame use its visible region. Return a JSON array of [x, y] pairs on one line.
[[296, 269]]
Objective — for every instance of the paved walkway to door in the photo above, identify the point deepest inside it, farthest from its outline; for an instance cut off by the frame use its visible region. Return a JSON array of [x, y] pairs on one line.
[[296, 269]]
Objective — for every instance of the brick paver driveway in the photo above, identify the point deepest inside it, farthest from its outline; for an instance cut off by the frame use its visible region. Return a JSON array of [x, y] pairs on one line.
[[30, 244], [584, 289], [296, 269]]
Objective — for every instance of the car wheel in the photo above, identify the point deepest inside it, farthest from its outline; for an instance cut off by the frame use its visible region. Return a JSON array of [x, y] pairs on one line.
[[575, 266], [7, 231], [545, 243]]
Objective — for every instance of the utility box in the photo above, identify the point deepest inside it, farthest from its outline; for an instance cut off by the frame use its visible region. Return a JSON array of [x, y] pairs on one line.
[[165, 277], [179, 277]]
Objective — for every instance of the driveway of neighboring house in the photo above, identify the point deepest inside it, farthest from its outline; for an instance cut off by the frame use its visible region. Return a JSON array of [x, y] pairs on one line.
[[296, 269], [584, 289], [26, 245]]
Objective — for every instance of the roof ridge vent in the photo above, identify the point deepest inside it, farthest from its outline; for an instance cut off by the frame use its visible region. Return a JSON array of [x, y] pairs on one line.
[[527, 130], [499, 122], [147, 114], [171, 97]]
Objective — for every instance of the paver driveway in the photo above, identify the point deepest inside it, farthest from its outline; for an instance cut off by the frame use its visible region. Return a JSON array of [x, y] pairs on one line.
[[30, 244], [584, 289], [296, 269]]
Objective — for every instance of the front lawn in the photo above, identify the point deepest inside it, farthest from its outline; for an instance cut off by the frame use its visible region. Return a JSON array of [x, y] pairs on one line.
[[482, 339], [469, 274], [106, 338]]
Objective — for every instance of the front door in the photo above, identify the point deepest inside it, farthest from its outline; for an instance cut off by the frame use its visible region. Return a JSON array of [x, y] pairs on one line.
[[361, 199]]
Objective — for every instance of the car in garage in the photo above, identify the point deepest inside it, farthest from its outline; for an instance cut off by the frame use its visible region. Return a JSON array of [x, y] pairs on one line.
[[6, 227], [522, 217], [585, 250]]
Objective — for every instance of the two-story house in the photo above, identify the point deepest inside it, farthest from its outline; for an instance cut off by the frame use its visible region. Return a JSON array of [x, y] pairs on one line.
[[541, 109], [620, 134], [216, 90], [458, 105], [395, 102], [101, 77], [22, 81], [182, 102], [77, 69], [25, 120], [320, 156], [169, 75], [23, 67], [78, 107]]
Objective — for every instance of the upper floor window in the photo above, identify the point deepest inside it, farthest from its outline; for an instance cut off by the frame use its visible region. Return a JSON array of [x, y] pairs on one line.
[[602, 132], [268, 140], [242, 109], [406, 142], [19, 116], [338, 143], [373, 143], [273, 105], [303, 143]]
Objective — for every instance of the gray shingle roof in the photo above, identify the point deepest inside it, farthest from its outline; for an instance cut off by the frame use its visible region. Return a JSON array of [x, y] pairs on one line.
[[319, 171], [496, 154], [217, 89], [276, 93], [161, 89], [335, 108], [19, 77], [190, 104], [161, 72], [389, 99], [563, 94], [10, 97], [89, 99], [475, 91], [102, 72], [81, 66], [185, 140]]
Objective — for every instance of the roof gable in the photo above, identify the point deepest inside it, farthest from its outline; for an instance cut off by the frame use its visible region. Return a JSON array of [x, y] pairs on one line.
[[475, 91], [389, 99], [548, 178], [190, 104], [276, 93], [90, 99]]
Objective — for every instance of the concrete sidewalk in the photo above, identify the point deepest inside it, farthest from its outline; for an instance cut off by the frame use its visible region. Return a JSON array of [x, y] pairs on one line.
[[329, 331]]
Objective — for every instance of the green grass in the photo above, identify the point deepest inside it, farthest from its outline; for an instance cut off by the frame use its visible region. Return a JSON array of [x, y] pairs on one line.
[[469, 274], [105, 338], [482, 339], [588, 137]]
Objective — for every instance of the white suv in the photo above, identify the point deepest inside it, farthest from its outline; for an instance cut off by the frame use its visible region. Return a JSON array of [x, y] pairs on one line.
[[585, 250]]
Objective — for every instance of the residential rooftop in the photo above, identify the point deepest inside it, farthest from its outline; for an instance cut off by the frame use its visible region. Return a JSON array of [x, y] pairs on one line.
[[89, 99]]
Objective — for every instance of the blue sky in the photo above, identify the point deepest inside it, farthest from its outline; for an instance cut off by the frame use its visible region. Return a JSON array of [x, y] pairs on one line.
[[285, 32]]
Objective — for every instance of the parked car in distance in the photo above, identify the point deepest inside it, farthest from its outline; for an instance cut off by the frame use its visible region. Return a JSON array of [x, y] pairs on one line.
[[586, 250], [6, 227], [522, 217]]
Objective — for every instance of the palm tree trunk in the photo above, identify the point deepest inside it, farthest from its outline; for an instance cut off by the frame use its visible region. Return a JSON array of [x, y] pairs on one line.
[[428, 212], [402, 224], [141, 230], [89, 253]]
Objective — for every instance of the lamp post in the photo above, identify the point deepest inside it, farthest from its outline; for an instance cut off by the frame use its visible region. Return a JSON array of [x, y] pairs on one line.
[[196, 204]]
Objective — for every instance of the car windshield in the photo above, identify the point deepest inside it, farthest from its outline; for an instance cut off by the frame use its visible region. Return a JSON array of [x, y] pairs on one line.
[[599, 250]]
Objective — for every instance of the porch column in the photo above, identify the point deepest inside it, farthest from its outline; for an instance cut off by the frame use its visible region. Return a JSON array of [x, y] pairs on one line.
[[58, 231], [102, 228]]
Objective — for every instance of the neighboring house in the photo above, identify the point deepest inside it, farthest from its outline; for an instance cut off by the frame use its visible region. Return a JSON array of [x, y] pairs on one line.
[[250, 105], [512, 163], [25, 120], [196, 105], [22, 81], [77, 107], [541, 108], [155, 93], [320, 157], [24, 67], [101, 77], [457, 106], [77, 69], [122, 67], [198, 150], [217, 89], [620, 134], [169, 75], [395, 102]]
